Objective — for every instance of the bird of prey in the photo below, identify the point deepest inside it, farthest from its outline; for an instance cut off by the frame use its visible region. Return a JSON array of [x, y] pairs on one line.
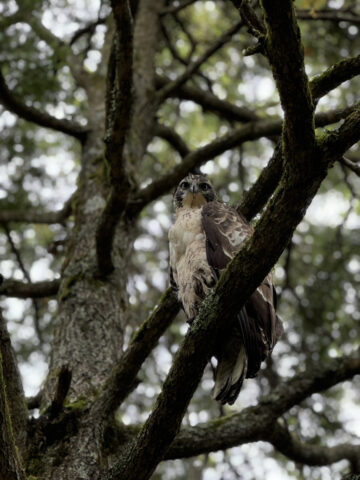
[[204, 238]]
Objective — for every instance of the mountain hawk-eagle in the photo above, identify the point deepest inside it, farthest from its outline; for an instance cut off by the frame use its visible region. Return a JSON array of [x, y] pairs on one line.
[[204, 238]]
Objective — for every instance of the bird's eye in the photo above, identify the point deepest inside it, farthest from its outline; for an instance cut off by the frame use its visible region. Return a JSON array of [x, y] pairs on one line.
[[185, 185], [204, 186]]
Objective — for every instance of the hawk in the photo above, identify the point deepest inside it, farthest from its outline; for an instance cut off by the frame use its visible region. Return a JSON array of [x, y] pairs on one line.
[[204, 238]]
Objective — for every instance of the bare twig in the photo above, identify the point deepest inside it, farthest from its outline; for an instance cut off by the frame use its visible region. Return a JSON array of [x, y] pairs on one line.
[[194, 66], [26, 274], [328, 14], [173, 138]]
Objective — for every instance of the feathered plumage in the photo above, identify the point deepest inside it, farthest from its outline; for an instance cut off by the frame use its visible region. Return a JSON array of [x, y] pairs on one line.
[[204, 238]]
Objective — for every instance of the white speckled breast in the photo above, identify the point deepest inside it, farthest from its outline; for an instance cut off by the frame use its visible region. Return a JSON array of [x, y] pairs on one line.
[[185, 230]]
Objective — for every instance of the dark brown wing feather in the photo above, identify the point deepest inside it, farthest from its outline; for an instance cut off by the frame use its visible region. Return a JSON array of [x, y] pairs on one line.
[[258, 323]]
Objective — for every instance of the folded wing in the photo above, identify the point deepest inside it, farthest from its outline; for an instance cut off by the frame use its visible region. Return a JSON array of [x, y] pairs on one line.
[[258, 326]]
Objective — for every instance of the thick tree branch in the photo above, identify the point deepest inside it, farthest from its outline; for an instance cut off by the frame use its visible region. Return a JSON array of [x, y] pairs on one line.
[[258, 422], [31, 114], [15, 288], [119, 110], [285, 52]]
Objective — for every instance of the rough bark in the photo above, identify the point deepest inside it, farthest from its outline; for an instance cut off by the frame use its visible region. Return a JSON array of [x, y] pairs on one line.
[[12, 411]]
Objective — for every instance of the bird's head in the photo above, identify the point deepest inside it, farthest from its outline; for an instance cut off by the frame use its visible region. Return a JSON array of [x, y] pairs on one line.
[[193, 191]]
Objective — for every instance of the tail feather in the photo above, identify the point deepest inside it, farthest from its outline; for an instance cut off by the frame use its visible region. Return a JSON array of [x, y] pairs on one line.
[[230, 374]]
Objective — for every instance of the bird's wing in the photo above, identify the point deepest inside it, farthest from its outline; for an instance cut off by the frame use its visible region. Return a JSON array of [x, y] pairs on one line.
[[226, 230]]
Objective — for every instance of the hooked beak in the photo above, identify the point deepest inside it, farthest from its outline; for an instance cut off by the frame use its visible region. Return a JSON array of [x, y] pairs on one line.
[[193, 188]]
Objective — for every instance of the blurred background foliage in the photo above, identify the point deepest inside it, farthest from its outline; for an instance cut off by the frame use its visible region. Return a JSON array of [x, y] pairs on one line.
[[318, 276]]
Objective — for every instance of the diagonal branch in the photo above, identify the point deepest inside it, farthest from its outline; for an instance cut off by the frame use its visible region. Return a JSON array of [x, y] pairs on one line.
[[123, 376], [31, 114], [162, 185], [260, 192], [334, 76], [250, 131]]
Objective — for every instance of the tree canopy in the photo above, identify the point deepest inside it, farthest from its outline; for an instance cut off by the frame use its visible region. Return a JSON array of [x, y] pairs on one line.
[[104, 108]]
